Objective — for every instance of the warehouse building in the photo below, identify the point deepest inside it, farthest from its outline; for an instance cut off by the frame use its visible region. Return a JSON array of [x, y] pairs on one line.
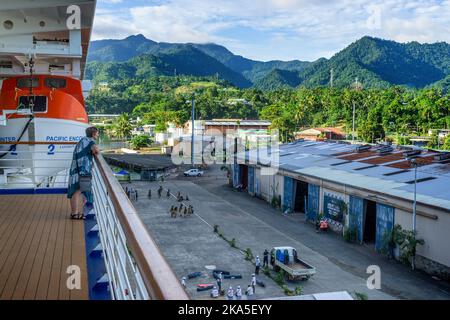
[[368, 189]]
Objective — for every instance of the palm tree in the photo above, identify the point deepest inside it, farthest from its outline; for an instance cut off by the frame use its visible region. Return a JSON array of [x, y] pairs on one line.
[[122, 126]]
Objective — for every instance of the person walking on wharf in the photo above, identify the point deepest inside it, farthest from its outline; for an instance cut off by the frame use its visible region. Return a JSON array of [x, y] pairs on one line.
[[219, 282], [266, 258], [253, 283], [230, 293], [160, 189], [214, 292], [238, 293], [257, 265], [249, 291]]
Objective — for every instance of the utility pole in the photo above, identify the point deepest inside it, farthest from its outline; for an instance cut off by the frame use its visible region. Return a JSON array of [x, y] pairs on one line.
[[414, 163], [353, 132], [331, 77], [193, 129]]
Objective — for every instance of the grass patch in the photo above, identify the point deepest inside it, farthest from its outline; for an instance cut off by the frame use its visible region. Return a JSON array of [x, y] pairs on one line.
[[361, 296]]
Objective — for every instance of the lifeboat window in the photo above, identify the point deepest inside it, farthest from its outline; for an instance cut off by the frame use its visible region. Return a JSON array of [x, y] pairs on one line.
[[24, 83], [36, 103], [56, 83]]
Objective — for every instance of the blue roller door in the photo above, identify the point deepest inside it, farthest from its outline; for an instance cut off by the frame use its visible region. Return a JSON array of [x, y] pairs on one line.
[[236, 175], [251, 180], [288, 194], [385, 224], [313, 201], [356, 215]]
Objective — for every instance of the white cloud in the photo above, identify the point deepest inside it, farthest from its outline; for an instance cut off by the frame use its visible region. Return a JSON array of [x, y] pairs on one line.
[[313, 27]]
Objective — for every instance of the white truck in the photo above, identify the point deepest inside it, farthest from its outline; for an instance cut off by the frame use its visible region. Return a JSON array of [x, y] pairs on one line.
[[193, 173], [286, 258]]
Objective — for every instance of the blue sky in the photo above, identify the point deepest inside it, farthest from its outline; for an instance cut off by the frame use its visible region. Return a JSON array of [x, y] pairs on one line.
[[275, 29]]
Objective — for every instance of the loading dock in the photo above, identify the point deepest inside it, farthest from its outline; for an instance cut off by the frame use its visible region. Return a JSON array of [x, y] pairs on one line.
[[243, 176], [301, 194], [370, 215]]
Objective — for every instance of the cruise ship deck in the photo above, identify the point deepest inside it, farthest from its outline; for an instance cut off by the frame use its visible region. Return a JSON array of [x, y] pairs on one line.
[[38, 243], [45, 255]]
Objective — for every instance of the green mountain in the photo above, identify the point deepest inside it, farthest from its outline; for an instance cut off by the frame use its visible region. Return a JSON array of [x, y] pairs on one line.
[[119, 50], [376, 63], [106, 51], [251, 69], [278, 79], [182, 59], [381, 63], [443, 84]]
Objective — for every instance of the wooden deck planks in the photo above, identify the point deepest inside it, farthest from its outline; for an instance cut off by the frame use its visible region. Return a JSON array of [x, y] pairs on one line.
[[64, 292], [21, 262], [57, 268], [79, 253], [13, 217], [44, 279], [27, 269], [39, 242], [14, 244]]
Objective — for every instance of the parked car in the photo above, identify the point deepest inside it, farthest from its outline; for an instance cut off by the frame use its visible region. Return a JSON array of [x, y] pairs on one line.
[[193, 173]]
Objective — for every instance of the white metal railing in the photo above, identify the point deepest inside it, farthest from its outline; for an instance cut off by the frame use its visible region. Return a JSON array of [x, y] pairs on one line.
[[135, 266], [123, 275], [34, 168]]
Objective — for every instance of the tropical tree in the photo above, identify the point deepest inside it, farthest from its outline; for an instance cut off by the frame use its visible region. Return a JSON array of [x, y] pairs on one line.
[[446, 145], [141, 141], [122, 126]]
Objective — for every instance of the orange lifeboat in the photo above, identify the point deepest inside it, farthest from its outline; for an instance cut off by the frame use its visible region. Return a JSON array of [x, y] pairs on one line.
[[43, 116]]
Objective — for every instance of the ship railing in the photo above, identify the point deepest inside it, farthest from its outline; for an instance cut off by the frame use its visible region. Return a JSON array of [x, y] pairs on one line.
[[28, 169], [135, 267], [131, 254]]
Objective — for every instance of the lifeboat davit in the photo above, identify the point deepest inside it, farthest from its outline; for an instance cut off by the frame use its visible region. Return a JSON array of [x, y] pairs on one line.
[[42, 117]]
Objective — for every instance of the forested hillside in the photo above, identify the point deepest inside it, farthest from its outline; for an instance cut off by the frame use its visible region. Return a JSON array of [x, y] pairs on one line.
[[376, 63]]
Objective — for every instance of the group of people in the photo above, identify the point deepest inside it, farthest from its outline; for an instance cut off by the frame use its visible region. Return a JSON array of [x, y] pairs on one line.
[[175, 211], [250, 291], [132, 194], [258, 261], [181, 198]]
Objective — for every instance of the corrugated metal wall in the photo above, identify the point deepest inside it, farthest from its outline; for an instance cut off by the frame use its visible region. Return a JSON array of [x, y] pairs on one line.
[[356, 216], [288, 194], [258, 182], [265, 186], [385, 223], [251, 180], [313, 201]]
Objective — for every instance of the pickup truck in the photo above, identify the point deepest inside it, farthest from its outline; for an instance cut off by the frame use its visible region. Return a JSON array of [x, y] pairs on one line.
[[193, 173], [286, 258]]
